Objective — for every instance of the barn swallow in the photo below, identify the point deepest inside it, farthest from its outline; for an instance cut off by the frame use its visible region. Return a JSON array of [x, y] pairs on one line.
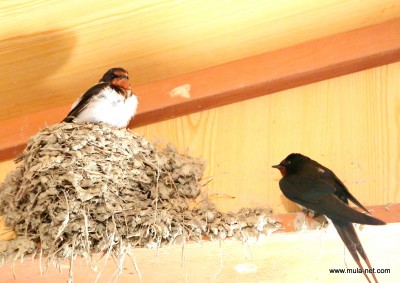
[[308, 183], [110, 101]]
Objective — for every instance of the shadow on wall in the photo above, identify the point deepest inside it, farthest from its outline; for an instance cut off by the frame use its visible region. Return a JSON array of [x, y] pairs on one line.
[[289, 205], [26, 62]]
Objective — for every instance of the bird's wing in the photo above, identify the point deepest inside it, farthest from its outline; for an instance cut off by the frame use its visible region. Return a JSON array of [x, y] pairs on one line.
[[344, 194], [341, 190], [315, 193], [307, 188], [84, 100]]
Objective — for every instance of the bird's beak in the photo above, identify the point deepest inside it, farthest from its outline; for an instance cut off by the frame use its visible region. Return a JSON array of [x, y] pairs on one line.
[[278, 166], [281, 168]]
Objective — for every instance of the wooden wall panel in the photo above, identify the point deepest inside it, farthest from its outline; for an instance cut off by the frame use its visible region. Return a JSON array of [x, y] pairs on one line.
[[5, 168], [351, 124]]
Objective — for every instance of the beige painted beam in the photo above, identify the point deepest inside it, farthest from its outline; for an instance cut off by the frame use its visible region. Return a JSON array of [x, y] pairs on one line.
[[236, 81], [290, 257], [285, 256], [48, 57]]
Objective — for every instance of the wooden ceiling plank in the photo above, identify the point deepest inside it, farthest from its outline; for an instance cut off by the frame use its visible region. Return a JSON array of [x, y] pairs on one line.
[[239, 80]]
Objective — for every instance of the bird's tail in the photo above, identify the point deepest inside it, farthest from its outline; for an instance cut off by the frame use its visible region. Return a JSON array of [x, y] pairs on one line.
[[349, 237], [334, 208], [363, 218]]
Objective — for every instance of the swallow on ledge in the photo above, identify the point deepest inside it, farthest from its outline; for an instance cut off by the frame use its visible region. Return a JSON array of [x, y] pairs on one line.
[[110, 101], [313, 186]]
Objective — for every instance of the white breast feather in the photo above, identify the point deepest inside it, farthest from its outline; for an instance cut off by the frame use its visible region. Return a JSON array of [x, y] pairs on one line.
[[109, 107]]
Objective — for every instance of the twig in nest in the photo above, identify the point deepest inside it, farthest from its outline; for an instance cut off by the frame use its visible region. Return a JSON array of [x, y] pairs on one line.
[[206, 183], [71, 263], [40, 261], [133, 258], [121, 258], [66, 220], [157, 188], [110, 248], [86, 232], [221, 195]]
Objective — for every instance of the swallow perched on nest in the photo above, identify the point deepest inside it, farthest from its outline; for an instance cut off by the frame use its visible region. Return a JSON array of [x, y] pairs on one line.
[[308, 183], [110, 101]]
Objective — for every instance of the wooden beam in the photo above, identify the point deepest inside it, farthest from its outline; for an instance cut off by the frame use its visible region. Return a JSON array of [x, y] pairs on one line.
[[236, 81], [290, 257], [272, 72], [387, 213], [304, 256]]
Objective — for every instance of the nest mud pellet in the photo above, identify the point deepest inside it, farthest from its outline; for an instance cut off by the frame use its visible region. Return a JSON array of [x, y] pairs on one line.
[[89, 188]]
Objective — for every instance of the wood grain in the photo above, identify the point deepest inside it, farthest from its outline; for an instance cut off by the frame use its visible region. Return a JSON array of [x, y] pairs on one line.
[[271, 72], [290, 257], [239, 80], [48, 58], [350, 124]]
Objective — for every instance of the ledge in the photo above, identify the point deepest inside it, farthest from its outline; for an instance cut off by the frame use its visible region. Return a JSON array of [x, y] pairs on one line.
[[270, 72], [282, 257]]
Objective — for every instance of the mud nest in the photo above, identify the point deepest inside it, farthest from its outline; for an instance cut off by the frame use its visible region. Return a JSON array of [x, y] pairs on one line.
[[87, 188]]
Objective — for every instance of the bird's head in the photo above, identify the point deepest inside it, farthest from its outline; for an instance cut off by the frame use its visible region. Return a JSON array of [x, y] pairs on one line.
[[291, 163], [117, 77]]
